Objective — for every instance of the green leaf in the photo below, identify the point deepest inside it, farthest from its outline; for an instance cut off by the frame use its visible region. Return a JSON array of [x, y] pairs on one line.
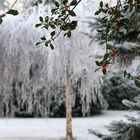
[[12, 12], [43, 38], [38, 43], [73, 25], [106, 5], [104, 71], [125, 73], [106, 56], [65, 34], [97, 63], [52, 33], [72, 13], [39, 24], [52, 26], [41, 19], [101, 4], [109, 47], [128, 75], [56, 4], [63, 27], [1, 20], [53, 10], [45, 26], [69, 34], [65, 2], [46, 43], [137, 83], [98, 12], [126, 8], [51, 46], [73, 3], [46, 19]]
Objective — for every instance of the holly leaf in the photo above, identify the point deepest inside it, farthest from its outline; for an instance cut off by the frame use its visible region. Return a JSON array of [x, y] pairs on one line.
[[106, 56], [38, 43], [41, 19], [104, 71], [52, 33], [56, 4], [39, 24], [65, 2], [98, 63], [12, 12], [74, 2], [51, 46], [69, 34], [72, 13], [43, 38], [1, 20], [101, 4]]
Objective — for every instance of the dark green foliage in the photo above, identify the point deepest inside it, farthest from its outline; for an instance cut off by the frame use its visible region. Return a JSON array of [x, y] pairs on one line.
[[22, 114], [73, 3], [125, 131], [120, 23], [12, 12], [59, 109], [121, 131], [52, 103], [116, 25], [59, 21], [126, 56], [115, 88], [1, 20], [129, 34]]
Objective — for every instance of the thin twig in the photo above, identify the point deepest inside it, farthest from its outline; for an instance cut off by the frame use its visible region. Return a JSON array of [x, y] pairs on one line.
[[13, 4], [73, 8]]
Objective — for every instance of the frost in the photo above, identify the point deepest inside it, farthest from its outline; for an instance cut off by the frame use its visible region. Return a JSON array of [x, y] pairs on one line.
[[31, 77]]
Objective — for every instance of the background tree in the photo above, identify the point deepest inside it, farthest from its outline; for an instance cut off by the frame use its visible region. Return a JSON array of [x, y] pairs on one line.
[[119, 24]]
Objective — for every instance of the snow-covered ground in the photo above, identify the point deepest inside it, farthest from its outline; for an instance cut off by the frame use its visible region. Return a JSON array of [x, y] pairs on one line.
[[54, 128]]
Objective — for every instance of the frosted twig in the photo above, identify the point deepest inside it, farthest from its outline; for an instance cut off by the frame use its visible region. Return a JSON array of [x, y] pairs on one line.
[[13, 4]]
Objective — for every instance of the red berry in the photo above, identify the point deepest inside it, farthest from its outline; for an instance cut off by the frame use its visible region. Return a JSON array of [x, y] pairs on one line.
[[114, 53], [104, 65]]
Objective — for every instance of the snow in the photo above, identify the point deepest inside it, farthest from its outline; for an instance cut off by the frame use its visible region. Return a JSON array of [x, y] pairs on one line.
[[54, 128], [33, 81]]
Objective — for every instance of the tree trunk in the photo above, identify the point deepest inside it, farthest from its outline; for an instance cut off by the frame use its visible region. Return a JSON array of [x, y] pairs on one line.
[[68, 111], [68, 101]]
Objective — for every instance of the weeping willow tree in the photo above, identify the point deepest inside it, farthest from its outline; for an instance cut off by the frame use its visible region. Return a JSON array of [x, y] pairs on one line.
[[36, 86]]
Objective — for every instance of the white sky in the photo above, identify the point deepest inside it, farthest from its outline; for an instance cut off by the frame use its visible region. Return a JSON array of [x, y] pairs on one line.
[[19, 3]]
